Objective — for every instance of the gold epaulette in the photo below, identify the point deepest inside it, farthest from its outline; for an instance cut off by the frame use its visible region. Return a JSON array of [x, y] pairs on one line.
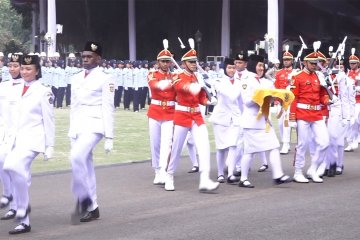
[[175, 79]]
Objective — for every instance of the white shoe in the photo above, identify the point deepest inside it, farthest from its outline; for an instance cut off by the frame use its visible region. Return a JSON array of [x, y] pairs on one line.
[[159, 179], [349, 148], [169, 182], [300, 178], [313, 175], [355, 145], [285, 149], [208, 185]]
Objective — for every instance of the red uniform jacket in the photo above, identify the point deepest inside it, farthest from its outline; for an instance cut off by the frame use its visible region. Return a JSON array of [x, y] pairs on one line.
[[282, 78], [185, 98], [355, 75], [307, 90], [163, 112]]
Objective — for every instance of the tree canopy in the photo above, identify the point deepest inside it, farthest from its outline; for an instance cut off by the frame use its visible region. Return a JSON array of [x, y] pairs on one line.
[[12, 33]]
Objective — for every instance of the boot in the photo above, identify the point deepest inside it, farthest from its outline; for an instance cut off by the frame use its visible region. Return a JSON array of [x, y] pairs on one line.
[[299, 176], [169, 182], [206, 184], [285, 148]]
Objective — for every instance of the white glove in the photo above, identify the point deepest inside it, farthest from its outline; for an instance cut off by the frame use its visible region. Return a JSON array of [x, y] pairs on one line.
[[108, 145], [357, 88], [345, 122], [194, 88], [334, 99], [164, 84], [352, 121], [212, 101], [293, 124], [49, 151], [136, 89], [126, 88]]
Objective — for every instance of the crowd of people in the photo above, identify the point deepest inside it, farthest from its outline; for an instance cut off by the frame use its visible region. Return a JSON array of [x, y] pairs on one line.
[[320, 100]]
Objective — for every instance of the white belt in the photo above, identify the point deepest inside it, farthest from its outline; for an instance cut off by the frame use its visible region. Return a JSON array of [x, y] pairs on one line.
[[187, 109], [162, 103], [308, 106]]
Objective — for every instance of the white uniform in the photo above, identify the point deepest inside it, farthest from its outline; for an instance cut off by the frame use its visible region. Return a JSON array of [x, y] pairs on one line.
[[91, 119], [256, 139], [226, 118], [32, 130]]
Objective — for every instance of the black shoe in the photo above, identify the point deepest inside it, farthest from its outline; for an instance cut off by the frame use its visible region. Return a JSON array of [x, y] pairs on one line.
[[80, 210], [339, 172], [89, 216], [246, 184], [232, 179], [9, 215], [237, 173], [194, 169], [263, 168], [20, 218], [282, 179], [221, 179], [5, 201], [21, 228], [332, 170]]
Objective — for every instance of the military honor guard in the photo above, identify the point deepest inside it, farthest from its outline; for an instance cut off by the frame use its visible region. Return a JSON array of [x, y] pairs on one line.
[[187, 117], [259, 136], [226, 119], [306, 116], [353, 134], [32, 132], [6, 88], [91, 119], [282, 81], [161, 114]]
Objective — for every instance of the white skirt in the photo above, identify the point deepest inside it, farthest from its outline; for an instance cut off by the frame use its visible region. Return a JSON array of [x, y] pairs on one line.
[[258, 140], [226, 136]]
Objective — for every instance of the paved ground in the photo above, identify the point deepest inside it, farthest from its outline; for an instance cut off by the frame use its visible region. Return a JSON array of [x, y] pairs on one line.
[[132, 208]]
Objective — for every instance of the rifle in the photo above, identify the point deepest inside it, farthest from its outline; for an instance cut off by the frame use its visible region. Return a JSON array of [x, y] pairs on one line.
[[210, 92], [303, 46]]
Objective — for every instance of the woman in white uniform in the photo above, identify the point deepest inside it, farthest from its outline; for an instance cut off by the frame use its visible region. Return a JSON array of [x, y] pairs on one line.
[[226, 121], [6, 88], [259, 136], [32, 132]]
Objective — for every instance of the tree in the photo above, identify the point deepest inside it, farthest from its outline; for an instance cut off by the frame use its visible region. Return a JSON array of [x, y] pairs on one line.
[[11, 28]]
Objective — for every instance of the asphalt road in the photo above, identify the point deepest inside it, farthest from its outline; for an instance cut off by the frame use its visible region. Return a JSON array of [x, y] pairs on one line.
[[132, 208]]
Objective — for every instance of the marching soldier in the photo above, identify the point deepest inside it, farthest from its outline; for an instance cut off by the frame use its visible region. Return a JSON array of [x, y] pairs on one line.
[[91, 119], [161, 114], [354, 130], [282, 81], [187, 118], [306, 116], [33, 133]]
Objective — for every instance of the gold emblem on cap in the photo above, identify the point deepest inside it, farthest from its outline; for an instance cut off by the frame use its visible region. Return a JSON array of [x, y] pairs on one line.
[[93, 47], [14, 58], [240, 56], [28, 60]]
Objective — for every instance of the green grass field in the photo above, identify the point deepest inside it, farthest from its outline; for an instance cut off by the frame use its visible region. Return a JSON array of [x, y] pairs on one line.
[[131, 142]]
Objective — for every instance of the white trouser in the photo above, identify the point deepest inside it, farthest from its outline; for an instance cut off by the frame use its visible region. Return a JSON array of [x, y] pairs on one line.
[[83, 173], [7, 186], [353, 131], [285, 132], [307, 132], [275, 161], [201, 139], [337, 138], [17, 164], [191, 149], [161, 133]]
